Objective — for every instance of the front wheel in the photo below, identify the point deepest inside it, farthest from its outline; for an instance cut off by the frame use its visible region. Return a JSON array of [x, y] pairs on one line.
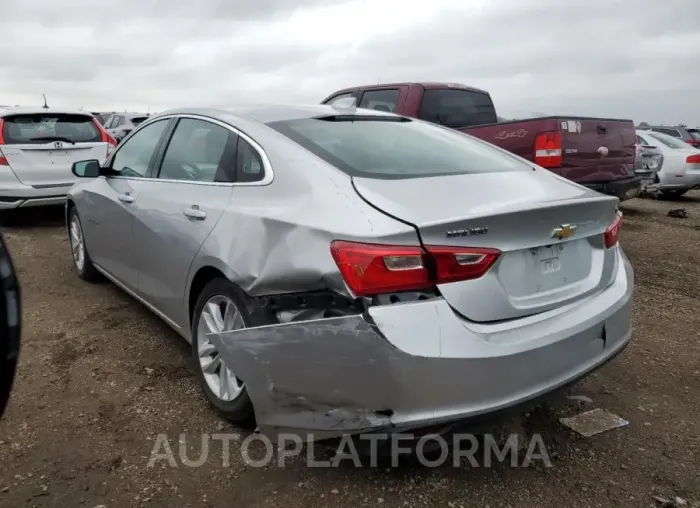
[[220, 308], [81, 259]]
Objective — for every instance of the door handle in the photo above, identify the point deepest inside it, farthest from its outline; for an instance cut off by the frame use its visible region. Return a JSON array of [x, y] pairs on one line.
[[194, 212], [126, 198]]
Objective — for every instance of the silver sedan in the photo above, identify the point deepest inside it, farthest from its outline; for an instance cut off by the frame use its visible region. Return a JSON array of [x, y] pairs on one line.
[[339, 270]]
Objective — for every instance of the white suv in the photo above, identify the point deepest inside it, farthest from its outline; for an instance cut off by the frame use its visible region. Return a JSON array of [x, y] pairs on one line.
[[37, 149]]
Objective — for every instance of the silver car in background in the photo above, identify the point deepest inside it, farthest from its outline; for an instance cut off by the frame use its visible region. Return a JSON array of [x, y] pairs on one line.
[[345, 270]]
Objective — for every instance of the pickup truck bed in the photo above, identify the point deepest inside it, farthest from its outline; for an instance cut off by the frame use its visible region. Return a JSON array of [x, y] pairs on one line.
[[596, 152]]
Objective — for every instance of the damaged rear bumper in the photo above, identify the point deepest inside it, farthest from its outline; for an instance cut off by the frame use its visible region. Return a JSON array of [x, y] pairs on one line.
[[412, 365]]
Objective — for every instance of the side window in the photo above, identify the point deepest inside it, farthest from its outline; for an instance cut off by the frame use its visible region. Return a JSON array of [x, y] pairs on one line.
[[670, 132], [133, 157], [199, 151], [640, 141], [118, 121], [339, 97], [249, 164], [381, 100], [109, 122]]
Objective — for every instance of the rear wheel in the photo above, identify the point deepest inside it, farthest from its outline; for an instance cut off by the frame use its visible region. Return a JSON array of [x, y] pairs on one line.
[[81, 259], [220, 308]]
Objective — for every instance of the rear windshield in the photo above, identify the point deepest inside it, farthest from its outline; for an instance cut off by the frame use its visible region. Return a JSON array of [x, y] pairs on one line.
[[669, 141], [46, 127], [695, 134], [138, 119], [457, 108], [392, 147]]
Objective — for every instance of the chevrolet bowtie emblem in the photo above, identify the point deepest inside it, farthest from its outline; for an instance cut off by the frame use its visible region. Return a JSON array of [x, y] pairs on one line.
[[564, 231]]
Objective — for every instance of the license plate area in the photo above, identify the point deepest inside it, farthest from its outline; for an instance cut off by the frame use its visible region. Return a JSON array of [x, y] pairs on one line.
[[536, 270], [548, 258]]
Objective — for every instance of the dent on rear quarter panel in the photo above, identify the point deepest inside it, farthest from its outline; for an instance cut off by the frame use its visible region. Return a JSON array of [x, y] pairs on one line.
[[276, 239]]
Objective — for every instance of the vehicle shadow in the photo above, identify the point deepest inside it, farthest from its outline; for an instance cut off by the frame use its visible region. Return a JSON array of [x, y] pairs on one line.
[[43, 217]]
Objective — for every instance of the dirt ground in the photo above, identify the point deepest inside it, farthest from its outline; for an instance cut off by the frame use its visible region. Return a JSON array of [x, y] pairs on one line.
[[100, 378]]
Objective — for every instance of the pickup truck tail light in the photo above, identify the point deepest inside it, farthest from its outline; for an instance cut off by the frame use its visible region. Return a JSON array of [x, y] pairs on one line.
[[548, 149], [371, 269]]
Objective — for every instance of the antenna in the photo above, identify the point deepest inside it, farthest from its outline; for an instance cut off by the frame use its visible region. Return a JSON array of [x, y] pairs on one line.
[[45, 106]]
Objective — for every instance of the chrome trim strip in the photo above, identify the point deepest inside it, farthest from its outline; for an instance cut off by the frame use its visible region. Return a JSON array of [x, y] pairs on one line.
[[267, 165]]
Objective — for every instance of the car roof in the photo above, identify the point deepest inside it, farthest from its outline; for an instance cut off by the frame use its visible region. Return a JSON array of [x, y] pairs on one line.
[[265, 113], [428, 85], [41, 111]]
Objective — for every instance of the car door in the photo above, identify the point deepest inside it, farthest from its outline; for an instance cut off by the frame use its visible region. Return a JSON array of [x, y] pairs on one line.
[[109, 203], [178, 208]]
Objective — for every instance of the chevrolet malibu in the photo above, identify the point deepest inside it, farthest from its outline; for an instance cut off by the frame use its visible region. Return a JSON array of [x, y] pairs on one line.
[[339, 270]]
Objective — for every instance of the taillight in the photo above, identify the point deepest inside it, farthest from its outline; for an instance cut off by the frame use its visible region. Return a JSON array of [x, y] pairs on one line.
[[613, 232], [693, 159], [548, 149], [106, 138], [371, 269], [3, 160]]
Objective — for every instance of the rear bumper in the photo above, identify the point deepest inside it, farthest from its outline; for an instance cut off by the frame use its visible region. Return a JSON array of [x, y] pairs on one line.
[[25, 196], [624, 189], [413, 365]]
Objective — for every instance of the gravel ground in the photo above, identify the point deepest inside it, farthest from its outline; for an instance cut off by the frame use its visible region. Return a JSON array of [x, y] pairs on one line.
[[100, 378]]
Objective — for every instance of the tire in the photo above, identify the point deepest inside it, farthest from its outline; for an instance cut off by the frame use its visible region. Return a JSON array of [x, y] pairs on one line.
[[671, 195], [236, 408], [86, 270]]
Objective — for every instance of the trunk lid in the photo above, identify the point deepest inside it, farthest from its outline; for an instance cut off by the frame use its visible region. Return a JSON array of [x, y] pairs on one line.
[[47, 164], [520, 212]]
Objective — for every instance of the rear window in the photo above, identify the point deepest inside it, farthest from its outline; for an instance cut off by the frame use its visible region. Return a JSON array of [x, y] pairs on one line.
[[392, 147], [46, 127], [695, 133], [139, 119], [669, 141], [457, 108]]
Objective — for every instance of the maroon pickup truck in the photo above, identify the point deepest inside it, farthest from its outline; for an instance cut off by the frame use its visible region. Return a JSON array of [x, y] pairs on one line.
[[596, 152]]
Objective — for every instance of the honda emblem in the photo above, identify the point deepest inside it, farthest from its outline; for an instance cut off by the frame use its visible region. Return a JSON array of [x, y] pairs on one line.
[[58, 144]]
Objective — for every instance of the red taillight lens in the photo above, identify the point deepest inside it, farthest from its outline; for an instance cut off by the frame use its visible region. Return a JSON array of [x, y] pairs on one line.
[[106, 138], [693, 159], [370, 269], [3, 160], [455, 263], [613, 232], [548, 149]]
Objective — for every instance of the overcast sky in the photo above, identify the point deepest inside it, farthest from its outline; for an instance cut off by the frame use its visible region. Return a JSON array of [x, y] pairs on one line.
[[636, 59]]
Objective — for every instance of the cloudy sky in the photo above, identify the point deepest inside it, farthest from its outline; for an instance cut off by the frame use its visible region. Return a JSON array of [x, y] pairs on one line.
[[636, 59]]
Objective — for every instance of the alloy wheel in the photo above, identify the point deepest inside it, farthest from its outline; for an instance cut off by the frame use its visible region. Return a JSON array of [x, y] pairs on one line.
[[77, 243], [218, 315]]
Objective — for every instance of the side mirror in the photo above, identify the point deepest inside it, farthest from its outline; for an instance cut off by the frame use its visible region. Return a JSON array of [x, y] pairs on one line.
[[86, 169]]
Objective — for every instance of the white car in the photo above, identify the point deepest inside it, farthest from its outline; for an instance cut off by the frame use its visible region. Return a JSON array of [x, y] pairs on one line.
[[680, 171], [38, 146]]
